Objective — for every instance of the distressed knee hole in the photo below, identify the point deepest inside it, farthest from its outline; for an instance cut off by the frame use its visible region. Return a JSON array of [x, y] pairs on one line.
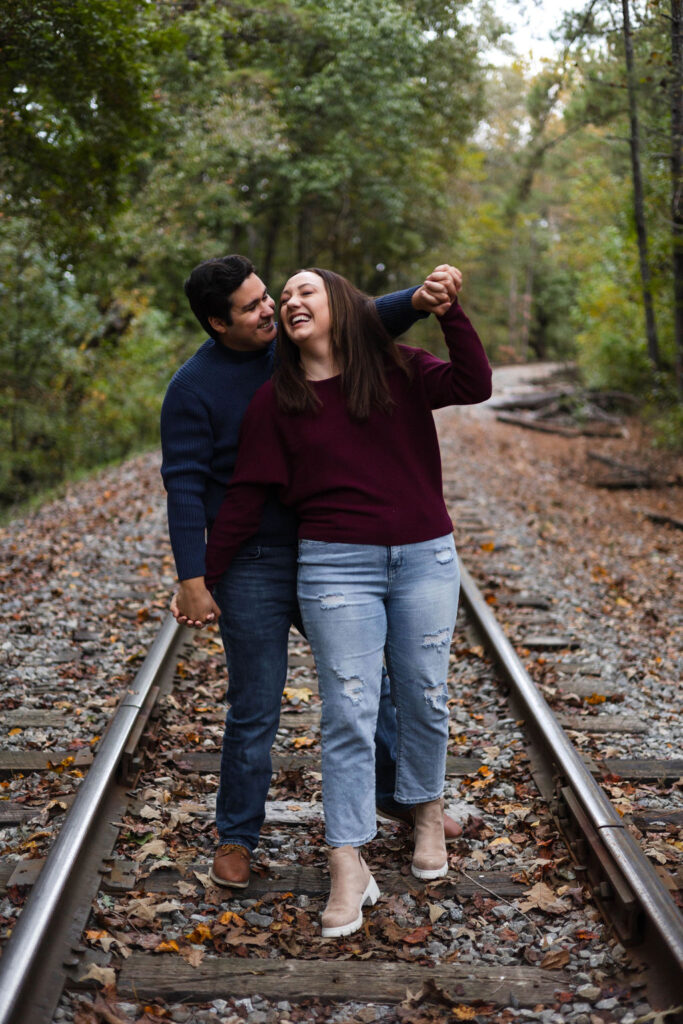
[[331, 601], [436, 697], [352, 686], [439, 639], [444, 556]]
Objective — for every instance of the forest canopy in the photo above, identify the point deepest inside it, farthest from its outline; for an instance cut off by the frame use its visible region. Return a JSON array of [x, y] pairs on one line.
[[377, 137]]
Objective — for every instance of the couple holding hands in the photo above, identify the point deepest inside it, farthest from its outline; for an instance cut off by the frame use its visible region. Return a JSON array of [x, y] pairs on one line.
[[307, 449]]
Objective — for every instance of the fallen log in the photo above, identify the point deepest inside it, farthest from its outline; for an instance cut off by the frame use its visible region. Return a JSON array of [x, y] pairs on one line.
[[532, 424], [624, 467], [657, 517]]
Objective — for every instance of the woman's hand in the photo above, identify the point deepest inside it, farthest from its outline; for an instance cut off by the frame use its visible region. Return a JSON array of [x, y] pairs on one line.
[[193, 605], [439, 291]]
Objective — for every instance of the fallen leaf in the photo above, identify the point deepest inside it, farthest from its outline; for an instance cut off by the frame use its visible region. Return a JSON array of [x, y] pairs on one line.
[[154, 848], [102, 975], [192, 955], [301, 692], [303, 741], [462, 1012], [542, 897], [202, 933], [555, 959], [435, 912], [230, 917], [419, 935]]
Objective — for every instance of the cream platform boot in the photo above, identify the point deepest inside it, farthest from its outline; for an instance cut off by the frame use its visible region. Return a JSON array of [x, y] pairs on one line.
[[352, 887], [430, 859]]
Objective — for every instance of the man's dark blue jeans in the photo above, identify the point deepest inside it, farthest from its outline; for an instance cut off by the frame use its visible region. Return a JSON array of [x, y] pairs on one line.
[[257, 599]]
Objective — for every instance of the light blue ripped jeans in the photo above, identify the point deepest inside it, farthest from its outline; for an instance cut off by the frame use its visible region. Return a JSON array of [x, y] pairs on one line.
[[360, 602]]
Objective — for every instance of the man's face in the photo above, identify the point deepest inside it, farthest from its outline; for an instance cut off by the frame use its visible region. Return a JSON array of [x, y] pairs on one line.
[[253, 326]]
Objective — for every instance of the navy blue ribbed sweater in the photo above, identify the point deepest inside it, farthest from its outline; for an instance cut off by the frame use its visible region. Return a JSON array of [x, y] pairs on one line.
[[200, 423]]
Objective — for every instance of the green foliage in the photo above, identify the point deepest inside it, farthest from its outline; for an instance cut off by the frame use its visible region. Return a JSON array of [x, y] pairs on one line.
[[80, 384], [77, 103]]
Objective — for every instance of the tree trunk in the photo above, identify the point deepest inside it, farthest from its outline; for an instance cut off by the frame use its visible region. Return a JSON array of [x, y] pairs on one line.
[[272, 234], [638, 200], [677, 179]]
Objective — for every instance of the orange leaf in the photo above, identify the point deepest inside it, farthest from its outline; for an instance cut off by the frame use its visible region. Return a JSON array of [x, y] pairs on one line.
[[168, 946], [202, 933], [230, 917], [462, 1012], [303, 741]]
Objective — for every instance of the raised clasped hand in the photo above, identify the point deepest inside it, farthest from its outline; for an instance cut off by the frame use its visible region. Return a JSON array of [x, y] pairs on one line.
[[439, 290]]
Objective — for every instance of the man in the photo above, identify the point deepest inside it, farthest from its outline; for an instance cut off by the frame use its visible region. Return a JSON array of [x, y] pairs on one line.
[[255, 602]]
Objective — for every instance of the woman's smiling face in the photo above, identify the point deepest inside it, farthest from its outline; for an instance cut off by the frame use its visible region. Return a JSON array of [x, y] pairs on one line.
[[305, 310]]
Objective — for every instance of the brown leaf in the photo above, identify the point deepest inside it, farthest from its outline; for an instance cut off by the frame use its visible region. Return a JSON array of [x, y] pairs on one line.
[[542, 897], [417, 936], [192, 956], [555, 959]]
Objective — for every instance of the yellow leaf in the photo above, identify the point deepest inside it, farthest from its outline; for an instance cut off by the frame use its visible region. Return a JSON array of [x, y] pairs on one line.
[[230, 917], [15, 731], [303, 741], [302, 692], [201, 933], [488, 546], [596, 698], [168, 946], [462, 1012]]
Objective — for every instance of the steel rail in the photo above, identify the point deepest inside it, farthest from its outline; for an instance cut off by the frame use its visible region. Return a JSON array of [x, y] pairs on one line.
[[32, 932], [659, 908]]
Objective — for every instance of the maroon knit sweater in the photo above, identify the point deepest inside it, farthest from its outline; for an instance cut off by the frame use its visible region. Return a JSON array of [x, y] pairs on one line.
[[375, 481]]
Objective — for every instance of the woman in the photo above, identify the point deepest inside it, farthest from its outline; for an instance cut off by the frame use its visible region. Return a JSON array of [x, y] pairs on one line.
[[344, 431]]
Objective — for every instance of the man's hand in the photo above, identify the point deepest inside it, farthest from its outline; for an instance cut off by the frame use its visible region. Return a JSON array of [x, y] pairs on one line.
[[193, 605], [439, 290]]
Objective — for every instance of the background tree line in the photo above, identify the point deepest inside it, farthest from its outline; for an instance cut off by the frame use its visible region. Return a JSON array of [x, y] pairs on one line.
[[373, 136]]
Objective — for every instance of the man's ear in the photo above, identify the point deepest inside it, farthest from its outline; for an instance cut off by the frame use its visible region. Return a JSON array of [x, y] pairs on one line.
[[218, 325]]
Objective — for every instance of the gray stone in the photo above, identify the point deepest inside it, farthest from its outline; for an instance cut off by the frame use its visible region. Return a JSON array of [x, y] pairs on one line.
[[221, 1005], [588, 992], [607, 1004], [258, 920]]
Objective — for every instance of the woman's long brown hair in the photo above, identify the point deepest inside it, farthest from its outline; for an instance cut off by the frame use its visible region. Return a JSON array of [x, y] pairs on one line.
[[361, 348]]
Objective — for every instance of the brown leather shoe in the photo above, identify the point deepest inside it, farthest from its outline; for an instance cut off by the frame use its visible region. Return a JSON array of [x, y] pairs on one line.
[[231, 866], [405, 815]]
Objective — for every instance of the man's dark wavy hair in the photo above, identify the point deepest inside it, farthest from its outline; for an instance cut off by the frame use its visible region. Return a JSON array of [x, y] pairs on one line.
[[210, 286]]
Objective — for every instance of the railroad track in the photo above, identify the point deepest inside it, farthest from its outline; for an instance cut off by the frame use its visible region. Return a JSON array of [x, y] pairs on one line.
[[124, 897]]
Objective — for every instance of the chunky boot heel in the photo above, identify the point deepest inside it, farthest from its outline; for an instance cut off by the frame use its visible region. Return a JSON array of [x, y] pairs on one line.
[[352, 887], [430, 859]]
